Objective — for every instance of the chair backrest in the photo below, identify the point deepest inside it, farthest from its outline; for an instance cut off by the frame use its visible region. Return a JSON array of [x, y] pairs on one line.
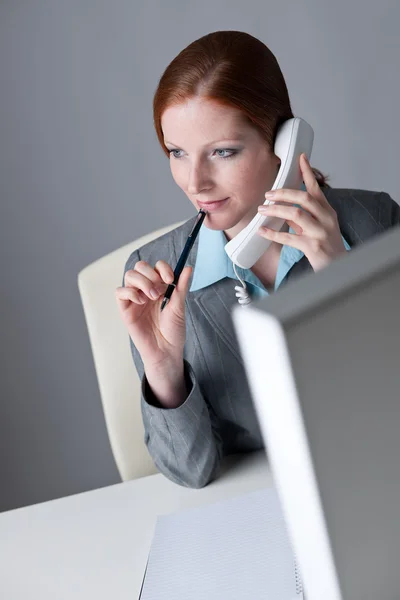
[[116, 373]]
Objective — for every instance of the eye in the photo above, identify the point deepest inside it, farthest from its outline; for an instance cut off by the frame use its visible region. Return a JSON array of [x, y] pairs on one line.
[[172, 152], [221, 152], [230, 150]]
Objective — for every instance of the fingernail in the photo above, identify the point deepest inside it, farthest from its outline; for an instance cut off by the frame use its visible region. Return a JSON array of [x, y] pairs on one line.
[[269, 194], [154, 294]]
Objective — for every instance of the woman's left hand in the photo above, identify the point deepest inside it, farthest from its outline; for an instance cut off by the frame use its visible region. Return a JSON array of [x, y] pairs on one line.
[[317, 232]]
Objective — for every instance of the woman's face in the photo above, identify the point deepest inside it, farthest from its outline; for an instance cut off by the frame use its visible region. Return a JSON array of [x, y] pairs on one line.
[[216, 156]]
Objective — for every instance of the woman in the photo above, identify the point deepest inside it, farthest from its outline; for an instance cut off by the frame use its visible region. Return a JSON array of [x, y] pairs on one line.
[[217, 108]]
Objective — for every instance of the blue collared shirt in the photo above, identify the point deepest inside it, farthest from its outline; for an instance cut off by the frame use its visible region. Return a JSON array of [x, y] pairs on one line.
[[213, 263]]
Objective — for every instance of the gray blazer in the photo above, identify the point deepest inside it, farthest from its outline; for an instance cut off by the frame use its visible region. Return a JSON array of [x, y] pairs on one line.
[[218, 417]]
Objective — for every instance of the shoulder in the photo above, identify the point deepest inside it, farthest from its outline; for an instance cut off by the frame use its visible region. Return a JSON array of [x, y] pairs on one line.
[[162, 247], [377, 205], [363, 213]]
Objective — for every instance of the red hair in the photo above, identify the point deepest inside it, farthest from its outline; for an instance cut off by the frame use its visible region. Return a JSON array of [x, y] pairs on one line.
[[231, 68]]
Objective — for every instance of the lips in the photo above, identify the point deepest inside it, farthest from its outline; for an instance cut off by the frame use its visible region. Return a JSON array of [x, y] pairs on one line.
[[213, 206]]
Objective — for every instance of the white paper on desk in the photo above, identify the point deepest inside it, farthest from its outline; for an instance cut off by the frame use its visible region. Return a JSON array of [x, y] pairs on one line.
[[234, 549]]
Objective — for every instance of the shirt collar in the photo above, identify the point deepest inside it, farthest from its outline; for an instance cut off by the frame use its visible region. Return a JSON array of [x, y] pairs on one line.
[[213, 263]]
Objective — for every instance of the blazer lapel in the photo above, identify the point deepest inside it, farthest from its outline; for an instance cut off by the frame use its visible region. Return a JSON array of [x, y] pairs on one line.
[[300, 268], [216, 302]]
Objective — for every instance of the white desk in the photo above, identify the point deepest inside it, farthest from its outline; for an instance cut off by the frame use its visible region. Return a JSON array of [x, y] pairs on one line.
[[94, 546]]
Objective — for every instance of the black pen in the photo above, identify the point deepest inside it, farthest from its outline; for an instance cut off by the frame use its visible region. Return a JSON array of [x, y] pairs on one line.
[[184, 256]]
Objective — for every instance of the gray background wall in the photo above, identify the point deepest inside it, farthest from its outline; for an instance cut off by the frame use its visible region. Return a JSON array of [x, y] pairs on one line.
[[81, 174]]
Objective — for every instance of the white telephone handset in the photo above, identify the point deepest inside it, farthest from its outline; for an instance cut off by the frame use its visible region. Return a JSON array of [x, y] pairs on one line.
[[294, 137]]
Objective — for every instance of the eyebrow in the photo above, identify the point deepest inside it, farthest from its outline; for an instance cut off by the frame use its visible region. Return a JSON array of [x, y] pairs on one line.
[[238, 137]]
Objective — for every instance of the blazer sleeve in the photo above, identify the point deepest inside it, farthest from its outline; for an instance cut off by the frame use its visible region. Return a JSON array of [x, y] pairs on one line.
[[183, 442]]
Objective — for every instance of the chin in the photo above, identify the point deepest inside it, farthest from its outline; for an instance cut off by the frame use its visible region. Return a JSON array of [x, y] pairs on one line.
[[220, 222], [225, 222]]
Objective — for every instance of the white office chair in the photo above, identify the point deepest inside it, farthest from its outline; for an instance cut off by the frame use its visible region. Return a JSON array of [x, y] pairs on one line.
[[116, 374]]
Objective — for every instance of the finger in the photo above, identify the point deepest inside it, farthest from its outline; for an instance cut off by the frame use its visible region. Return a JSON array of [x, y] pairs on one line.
[[152, 286], [184, 279], [296, 228], [125, 297], [165, 271], [295, 215], [286, 196], [308, 175], [286, 239], [310, 181], [179, 295], [323, 213], [147, 270]]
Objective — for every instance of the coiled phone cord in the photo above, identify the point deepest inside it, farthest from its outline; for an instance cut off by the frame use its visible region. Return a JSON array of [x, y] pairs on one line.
[[242, 293]]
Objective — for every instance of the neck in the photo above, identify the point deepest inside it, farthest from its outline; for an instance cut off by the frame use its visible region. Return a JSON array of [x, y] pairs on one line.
[[233, 231], [266, 266]]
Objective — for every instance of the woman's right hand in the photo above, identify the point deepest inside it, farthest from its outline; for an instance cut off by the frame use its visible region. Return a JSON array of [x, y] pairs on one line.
[[158, 336]]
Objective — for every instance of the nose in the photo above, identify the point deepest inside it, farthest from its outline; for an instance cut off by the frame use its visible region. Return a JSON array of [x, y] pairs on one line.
[[199, 180]]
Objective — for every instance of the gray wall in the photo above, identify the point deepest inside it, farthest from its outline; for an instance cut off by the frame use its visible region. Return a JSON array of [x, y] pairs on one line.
[[81, 174]]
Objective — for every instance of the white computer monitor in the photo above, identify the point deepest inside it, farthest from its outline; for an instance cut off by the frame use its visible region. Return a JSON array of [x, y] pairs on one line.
[[322, 356]]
